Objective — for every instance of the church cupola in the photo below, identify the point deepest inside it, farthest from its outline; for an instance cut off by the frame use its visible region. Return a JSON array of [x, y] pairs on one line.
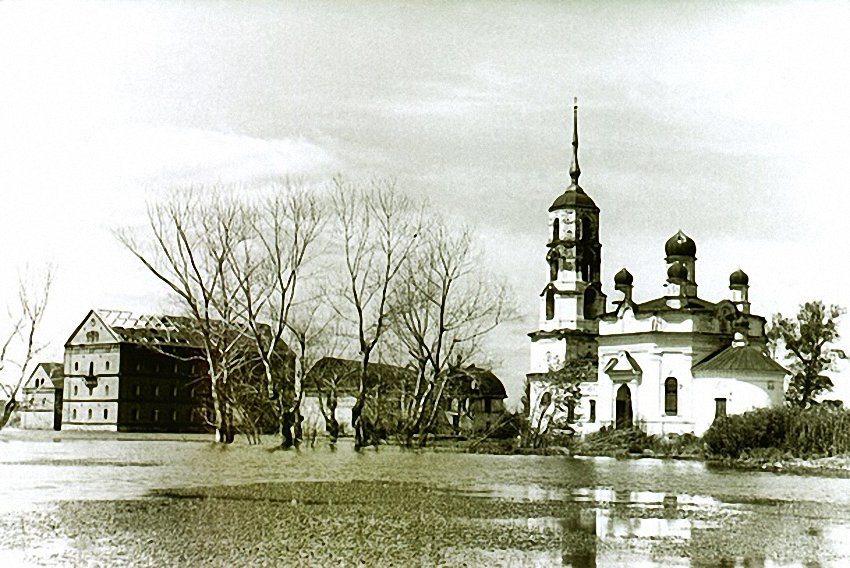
[[739, 284], [681, 249], [623, 282]]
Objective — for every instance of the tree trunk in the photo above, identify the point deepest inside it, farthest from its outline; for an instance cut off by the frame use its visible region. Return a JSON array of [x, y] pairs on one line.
[[8, 409]]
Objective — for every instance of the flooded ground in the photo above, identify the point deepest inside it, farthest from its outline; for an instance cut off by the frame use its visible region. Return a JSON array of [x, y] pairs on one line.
[[74, 500]]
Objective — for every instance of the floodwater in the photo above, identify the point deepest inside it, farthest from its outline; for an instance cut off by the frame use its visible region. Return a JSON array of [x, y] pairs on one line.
[[644, 512]]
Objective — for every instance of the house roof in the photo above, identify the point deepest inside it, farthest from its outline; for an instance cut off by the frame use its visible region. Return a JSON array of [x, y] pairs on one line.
[[150, 328], [346, 372], [476, 381], [739, 358], [55, 371]]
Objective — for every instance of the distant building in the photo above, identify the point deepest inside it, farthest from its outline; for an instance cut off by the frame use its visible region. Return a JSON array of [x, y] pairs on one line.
[[669, 365], [137, 373], [473, 400], [41, 407]]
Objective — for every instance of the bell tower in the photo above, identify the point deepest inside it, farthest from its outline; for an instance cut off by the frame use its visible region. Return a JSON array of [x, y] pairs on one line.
[[572, 297]]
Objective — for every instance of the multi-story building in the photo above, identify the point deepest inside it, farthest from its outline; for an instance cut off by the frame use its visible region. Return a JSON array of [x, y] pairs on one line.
[[130, 372]]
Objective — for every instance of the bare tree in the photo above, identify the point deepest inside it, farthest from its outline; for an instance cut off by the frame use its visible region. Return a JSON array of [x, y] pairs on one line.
[[445, 305], [313, 333], [194, 242], [378, 228], [20, 345], [286, 228]]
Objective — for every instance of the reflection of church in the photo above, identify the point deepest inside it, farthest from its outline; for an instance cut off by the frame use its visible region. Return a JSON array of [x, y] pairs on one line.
[[668, 365]]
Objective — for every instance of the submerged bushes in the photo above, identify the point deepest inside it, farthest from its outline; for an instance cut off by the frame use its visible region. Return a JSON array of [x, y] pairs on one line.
[[815, 432], [616, 442]]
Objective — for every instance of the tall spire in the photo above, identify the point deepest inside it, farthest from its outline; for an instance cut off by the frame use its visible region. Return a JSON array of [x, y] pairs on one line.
[[575, 171]]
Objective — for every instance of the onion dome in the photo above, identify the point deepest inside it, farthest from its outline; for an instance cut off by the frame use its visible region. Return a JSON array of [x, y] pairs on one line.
[[677, 272], [739, 278], [680, 244], [623, 278]]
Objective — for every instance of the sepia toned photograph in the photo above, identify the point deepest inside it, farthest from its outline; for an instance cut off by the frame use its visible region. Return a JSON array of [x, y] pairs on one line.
[[390, 284]]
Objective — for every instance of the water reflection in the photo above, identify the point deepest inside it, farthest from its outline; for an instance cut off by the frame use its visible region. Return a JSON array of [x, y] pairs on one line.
[[600, 526], [591, 512]]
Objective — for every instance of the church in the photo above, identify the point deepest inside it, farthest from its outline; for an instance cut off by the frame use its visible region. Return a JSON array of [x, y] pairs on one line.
[[670, 365]]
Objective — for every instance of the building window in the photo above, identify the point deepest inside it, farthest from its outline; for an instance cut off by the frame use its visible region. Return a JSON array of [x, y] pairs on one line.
[[138, 390], [105, 413], [74, 414], [174, 392], [488, 406], [592, 411], [106, 389], [719, 408], [174, 416], [76, 365], [107, 365], [553, 269], [76, 390], [671, 397], [550, 304], [92, 336], [90, 413], [156, 415], [156, 391], [556, 230], [571, 411], [136, 414], [91, 369]]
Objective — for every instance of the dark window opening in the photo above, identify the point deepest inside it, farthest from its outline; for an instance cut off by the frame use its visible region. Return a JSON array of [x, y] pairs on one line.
[[105, 413], [553, 269], [671, 397], [90, 413], [719, 408], [488, 405], [571, 411], [592, 411], [550, 304], [556, 230]]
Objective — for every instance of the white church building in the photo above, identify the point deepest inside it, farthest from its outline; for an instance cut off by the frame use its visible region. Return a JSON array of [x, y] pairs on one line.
[[670, 365]]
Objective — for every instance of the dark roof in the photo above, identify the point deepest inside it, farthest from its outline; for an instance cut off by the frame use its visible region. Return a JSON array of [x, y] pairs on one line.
[[740, 358], [346, 374], [476, 381], [573, 197], [689, 304]]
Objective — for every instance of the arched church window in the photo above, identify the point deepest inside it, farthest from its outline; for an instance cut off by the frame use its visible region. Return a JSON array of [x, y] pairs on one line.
[[585, 230], [671, 397], [589, 301], [586, 263], [91, 369], [550, 304], [556, 230]]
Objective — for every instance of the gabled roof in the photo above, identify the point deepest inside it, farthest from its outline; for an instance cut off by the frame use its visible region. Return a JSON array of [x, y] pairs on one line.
[[476, 381], [623, 363], [747, 358], [55, 371], [692, 304]]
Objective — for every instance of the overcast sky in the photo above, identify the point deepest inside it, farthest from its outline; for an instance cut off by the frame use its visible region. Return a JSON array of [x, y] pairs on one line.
[[730, 122]]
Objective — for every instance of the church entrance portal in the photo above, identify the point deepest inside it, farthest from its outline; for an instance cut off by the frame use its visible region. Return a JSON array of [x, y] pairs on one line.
[[624, 407]]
